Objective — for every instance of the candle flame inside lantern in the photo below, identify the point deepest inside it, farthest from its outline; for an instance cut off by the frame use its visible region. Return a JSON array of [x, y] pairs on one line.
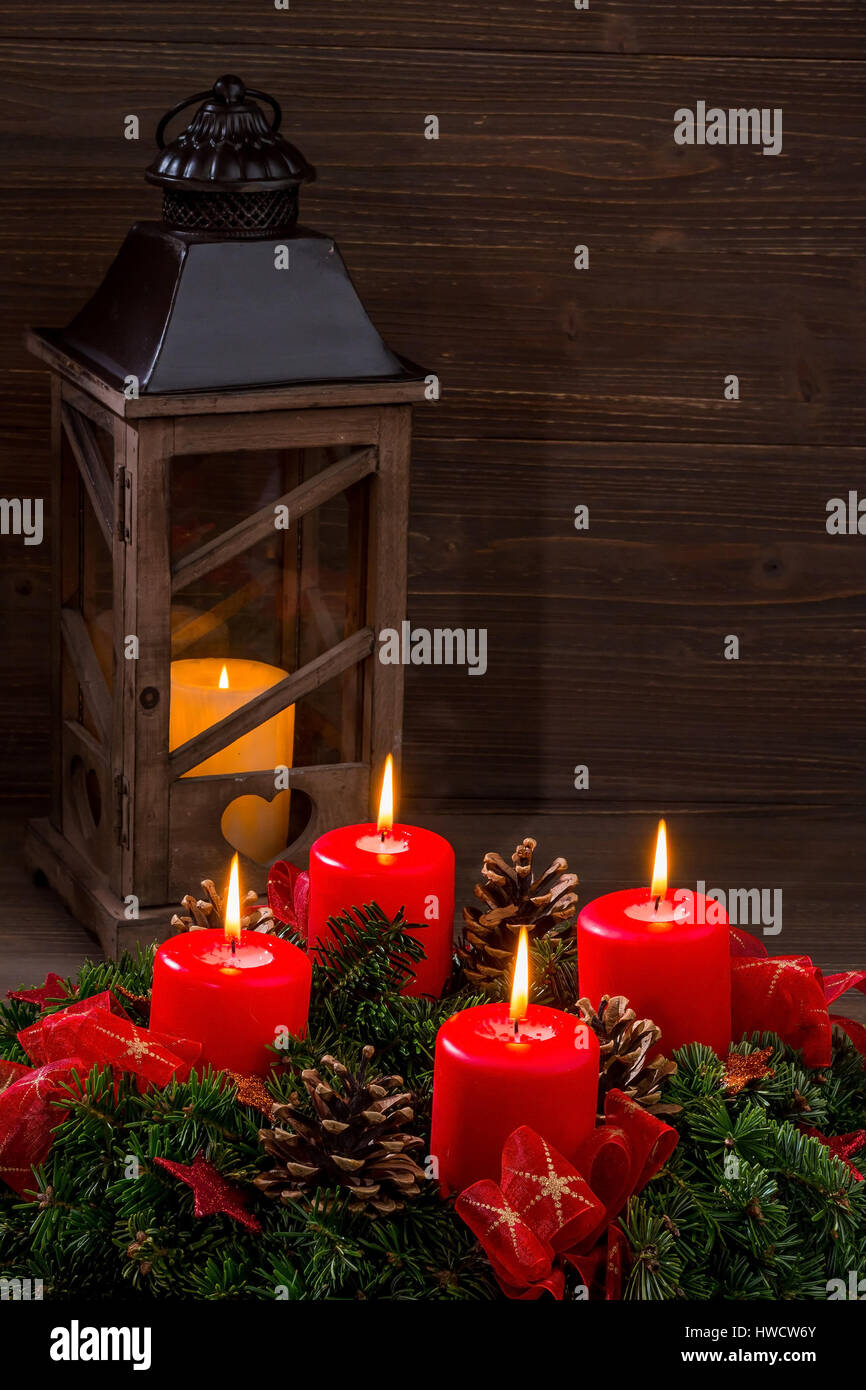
[[660, 867], [520, 986], [233, 905], [386, 800], [224, 679]]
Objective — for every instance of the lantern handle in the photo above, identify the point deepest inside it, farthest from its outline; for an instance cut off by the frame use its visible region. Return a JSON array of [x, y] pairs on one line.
[[272, 102], [203, 96], [175, 111]]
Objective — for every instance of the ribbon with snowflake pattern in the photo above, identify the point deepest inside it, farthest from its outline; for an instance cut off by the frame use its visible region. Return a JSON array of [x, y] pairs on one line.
[[789, 996], [547, 1210], [64, 1046]]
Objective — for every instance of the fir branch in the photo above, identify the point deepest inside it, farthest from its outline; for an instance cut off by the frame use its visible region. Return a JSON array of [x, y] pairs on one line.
[[554, 970], [371, 955]]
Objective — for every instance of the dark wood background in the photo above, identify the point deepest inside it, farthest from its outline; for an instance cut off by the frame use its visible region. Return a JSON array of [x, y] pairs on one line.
[[560, 387]]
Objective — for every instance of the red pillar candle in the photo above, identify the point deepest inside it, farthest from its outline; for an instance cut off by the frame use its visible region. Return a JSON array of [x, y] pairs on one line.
[[668, 952], [396, 866], [235, 1002], [492, 1075]]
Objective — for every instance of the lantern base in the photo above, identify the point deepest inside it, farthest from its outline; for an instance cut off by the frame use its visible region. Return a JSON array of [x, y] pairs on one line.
[[85, 892]]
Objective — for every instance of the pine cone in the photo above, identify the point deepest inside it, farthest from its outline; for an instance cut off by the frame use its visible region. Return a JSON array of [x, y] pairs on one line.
[[211, 913], [354, 1141], [625, 1041], [512, 899]]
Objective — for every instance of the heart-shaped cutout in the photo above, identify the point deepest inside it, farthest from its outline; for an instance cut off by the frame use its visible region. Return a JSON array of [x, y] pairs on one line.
[[257, 828], [261, 829]]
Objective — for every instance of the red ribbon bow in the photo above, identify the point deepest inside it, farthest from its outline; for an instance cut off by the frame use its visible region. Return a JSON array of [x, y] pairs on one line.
[[546, 1209], [289, 894], [789, 996], [88, 1032]]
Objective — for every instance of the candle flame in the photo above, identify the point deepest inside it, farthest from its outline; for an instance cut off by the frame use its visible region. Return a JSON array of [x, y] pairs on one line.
[[233, 905], [660, 867], [224, 679], [520, 986], [386, 800]]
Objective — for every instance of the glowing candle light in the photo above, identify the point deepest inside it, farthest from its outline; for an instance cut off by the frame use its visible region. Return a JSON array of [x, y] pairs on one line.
[[385, 820], [667, 951], [236, 992], [206, 690], [498, 1066], [659, 885], [394, 865], [520, 984]]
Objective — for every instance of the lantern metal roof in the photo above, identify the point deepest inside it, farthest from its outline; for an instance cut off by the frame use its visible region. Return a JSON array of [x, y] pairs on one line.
[[228, 292]]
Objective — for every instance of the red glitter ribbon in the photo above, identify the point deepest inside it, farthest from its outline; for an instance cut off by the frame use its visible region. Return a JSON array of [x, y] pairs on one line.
[[289, 895], [65, 1045], [546, 1210], [28, 1116], [789, 996]]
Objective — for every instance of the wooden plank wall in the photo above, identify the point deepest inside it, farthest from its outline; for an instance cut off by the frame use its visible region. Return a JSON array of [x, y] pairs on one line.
[[561, 387]]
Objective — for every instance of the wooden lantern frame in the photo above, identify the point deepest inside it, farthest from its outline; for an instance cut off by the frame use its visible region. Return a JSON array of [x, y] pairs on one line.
[[158, 831]]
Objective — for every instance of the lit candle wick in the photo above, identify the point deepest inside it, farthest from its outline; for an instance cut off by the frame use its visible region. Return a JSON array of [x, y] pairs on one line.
[[232, 911], [520, 985], [659, 886], [385, 823]]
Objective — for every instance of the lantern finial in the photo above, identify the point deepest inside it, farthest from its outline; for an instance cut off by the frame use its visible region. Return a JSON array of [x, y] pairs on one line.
[[229, 89], [229, 171]]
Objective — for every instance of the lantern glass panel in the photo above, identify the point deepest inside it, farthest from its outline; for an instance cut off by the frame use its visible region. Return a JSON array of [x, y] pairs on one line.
[[270, 609], [328, 722]]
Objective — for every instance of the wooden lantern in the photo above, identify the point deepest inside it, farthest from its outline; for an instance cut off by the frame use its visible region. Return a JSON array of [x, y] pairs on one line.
[[230, 504]]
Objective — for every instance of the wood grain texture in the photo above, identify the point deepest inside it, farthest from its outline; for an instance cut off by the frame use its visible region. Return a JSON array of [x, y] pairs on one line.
[[85, 663], [40, 935], [703, 262], [79, 433], [723, 27], [606, 647], [336, 791], [147, 613], [526, 142], [637, 347], [386, 560]]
